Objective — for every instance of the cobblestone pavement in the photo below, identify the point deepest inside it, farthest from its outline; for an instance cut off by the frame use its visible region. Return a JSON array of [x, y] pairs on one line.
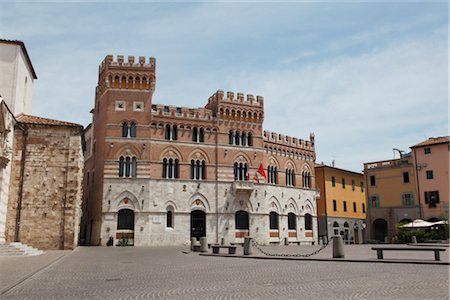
[[166, 272]]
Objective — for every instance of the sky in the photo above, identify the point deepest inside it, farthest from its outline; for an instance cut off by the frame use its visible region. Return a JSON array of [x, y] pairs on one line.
[[365, 77]]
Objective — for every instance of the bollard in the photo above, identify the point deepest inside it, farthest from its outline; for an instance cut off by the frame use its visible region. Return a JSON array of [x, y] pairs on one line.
[[414, 239], [286, 242], [248, 246], [338, 247], [222, 241], [203, 244], [193, 240]]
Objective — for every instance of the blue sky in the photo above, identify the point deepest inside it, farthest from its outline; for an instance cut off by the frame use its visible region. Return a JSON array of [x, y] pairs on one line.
[[365, 77]]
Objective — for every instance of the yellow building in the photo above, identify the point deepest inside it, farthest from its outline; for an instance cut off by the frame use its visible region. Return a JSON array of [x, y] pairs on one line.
[[341, 209], [391, 196]]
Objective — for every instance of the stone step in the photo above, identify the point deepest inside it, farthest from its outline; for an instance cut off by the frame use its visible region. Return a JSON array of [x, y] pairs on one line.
[[18, 249]]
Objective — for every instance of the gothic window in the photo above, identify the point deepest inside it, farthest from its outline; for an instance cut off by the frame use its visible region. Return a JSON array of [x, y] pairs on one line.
[[244, 139], [121, 166], [235, 171], [249, 139], [237, 139], [170, 168], [240, 171], [174, 133], [167, 132], [272, 176], [124, 129], [203, 170], [170, 132], [308, 222], [169, 217], [292, 221], [241, 220], [133, 167], [306, 179], [230, 138], [273, 222], [192, 169], [201, 136], [194, 134], [133, 130]]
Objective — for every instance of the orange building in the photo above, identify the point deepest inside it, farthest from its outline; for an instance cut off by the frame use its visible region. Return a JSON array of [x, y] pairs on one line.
[[391, 195], [341, 208], [432, 160]]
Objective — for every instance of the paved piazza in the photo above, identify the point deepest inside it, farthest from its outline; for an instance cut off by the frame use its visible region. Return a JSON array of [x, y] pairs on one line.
[[167, 272]]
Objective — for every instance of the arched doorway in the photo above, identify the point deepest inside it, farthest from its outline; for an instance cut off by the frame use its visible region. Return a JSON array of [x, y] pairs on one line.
[[125, 227], [241, 224], [380, 228], [198, 224]]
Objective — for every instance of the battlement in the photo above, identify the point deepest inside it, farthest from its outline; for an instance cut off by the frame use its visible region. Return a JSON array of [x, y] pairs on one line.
[[289, 141], [141, 63], [231, 97], [182, 112]]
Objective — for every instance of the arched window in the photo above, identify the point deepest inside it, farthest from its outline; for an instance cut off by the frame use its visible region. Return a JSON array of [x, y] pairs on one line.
[[273, 222], [133, 130], [249, 139], [230, 138], [176, 169], [174, 133], [133, 167], [346, 225], [127, 166], [237, 138], [169, 217], [292, 221], [197, 169], [244, 139], [235, 171], [124, 129], [125, 220], [167, 132], [121, 166], [201, 136], [293, 177], [335, 224], [203, 169], [241, 220], [192, 169], [308, 222], [240, 171], [164, 168], [194, 134]]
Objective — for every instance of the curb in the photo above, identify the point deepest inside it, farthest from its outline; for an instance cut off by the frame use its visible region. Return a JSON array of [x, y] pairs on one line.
[[384, 261]]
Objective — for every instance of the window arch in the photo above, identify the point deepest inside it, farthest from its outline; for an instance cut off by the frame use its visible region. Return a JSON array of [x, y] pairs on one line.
[[335, 224], [133, 130], [240, 171], [230, 138], [241, 220], [170, 132], [308, 222], [249, 139], [237, 138], [273, 222], [290, 177], [194, 134], [306, 179], [272, 174], [124, 129], [169, 217], [244, 139]]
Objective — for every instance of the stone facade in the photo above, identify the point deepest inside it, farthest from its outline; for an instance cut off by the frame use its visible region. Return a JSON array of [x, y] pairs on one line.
[[158, 174], [44, 208]]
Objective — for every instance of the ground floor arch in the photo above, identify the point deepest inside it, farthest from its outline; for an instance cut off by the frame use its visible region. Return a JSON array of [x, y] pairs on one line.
[[198, 224], [380, 229]]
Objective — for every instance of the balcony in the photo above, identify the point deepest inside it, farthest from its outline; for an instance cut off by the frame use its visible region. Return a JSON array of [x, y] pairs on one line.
[[246, 187]]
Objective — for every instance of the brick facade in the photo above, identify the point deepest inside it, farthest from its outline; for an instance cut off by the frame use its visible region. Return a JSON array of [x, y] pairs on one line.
[[166, 133]]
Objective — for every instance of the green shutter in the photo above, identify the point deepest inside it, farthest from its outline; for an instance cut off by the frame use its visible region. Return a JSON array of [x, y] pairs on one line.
[[369, 203], [378, 201], [403, 200], [412, 199]]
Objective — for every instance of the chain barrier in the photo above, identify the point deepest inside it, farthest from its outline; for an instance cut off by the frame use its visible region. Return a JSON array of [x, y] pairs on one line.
[[257, 246]]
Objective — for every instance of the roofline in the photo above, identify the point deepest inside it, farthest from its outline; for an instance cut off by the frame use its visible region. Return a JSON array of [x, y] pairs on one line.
[[24, 49], [437, 143], [338, 169]]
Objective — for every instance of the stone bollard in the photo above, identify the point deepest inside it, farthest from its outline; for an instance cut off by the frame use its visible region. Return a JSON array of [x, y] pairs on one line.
[[193, 240], [203, 244], [414, 239], [248, 246], [338, 247], [286, 242]]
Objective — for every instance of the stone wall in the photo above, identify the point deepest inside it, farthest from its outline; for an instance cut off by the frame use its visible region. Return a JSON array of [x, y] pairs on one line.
[[50, 191]]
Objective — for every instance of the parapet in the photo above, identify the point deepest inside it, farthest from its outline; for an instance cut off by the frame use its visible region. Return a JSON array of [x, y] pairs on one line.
[[141, 63], [289, 141], [182, 112], [240, 98]]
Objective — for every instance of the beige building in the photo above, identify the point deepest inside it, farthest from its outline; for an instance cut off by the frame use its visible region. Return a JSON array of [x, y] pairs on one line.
[[432, 160], [341, 208], [391, 196]]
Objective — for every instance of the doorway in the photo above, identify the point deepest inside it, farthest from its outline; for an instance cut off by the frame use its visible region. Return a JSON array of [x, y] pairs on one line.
[[198, 224]]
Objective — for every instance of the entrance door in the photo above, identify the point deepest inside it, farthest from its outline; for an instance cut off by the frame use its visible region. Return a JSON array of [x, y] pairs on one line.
[[198, 224]]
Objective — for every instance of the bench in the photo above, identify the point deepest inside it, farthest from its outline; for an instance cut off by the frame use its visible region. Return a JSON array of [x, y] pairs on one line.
[[381, 249], [231, 249]]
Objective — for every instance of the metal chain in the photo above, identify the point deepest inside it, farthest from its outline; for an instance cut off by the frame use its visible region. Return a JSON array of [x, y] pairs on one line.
[[288, 255]]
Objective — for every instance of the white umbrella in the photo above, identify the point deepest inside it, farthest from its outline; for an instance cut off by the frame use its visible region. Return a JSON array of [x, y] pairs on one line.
[[419, 223], [440, 223]]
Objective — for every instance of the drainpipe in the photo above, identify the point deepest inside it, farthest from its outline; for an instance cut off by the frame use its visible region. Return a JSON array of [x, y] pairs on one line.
[[217, 187], [417, 184], [24, 129]]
